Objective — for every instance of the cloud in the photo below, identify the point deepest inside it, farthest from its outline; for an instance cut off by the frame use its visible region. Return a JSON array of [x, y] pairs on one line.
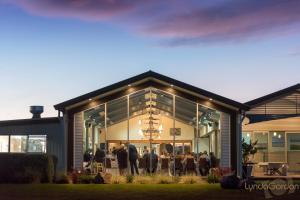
[[92, 10], [178, 22], [229, 21]]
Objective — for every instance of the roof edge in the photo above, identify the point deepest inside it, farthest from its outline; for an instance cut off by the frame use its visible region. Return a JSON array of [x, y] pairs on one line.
[[151, 74], [272, 96]]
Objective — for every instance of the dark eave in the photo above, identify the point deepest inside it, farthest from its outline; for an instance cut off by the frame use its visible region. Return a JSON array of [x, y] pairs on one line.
[[272, 96], [263, 118], [153, 75], [21, 122]]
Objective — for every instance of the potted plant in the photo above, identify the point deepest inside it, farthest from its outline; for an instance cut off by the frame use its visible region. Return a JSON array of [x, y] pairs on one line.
[[248, 149]]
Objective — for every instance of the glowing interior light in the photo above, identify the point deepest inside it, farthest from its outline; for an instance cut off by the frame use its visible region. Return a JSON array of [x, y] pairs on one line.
[[160, 127], [279, 136], [248, 135], [140, 122], [274, 133], [141, 132]]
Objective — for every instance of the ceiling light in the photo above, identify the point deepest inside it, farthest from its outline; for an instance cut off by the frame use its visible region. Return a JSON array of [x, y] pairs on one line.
[[210, 99], [90, 99]]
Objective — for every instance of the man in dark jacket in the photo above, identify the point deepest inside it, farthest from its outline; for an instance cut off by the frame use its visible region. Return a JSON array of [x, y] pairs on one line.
[[99, 156], [151, 162], [122, 159], [133, 156]]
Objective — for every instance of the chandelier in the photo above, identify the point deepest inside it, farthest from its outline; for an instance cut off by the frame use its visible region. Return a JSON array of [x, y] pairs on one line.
[[151, 128]]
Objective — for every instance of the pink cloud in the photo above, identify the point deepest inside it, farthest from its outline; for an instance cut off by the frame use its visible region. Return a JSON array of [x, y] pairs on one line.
[[234, 21], [179, 22], [93, 10]]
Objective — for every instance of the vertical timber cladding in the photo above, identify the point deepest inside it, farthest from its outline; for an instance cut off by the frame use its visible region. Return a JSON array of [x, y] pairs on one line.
[[225, 140], [78, 141]]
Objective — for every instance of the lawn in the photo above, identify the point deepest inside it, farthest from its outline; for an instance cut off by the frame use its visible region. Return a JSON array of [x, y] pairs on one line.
[[132, 192]]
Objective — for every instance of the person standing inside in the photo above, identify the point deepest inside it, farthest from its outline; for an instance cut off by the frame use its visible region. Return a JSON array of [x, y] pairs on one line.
[[133, 156], [122, 159], [151, 165]]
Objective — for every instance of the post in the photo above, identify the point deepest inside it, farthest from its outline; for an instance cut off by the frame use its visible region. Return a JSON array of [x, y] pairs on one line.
[[174, 132], [105, 136], [150, 128], [128, 115], [197, 135]]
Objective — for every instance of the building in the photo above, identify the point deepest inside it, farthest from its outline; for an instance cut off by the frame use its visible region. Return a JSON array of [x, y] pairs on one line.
[[36, 135], [153, 111], [274, 122]]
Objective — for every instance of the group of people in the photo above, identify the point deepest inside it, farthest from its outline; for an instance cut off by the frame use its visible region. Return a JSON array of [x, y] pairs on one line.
[[201, 162], [130, 153]]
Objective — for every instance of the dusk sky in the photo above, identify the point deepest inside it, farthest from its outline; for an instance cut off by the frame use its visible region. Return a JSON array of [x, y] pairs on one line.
[[54, 50]]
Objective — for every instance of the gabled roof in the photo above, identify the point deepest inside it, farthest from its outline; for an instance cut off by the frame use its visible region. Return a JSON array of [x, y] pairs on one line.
[[273, 96], [151, 76]]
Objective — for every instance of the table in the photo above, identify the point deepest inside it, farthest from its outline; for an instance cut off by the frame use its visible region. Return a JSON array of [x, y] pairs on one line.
[[272, 168]]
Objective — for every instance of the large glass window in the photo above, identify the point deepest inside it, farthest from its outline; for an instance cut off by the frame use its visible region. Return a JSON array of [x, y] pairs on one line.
[[293, 151], [18, 143], [4, 139], [277, 147], [209, 130], [94, 134], [37, 143], [148, 120]]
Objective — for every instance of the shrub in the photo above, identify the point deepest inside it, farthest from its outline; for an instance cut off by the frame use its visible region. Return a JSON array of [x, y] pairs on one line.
[[107, 177], [118, 180], [26, 168], [129, 179], [85, 179], [230, 182], [62, 179], [190, 180], [211, 179], [163, 179], [143, 180]]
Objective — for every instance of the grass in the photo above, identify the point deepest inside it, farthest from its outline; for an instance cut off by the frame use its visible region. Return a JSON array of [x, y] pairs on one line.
[[126, 191]]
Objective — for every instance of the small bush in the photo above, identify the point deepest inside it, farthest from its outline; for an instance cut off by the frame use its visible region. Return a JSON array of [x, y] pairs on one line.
[[211, 179], [118, 180], [163, 179], [129, 179], [191, 180], [62, 179], [86, 179], [107, 177], [230, 182], [143, 180]]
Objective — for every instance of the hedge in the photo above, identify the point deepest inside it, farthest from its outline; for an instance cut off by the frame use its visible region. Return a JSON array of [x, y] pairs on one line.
[[27, 168]]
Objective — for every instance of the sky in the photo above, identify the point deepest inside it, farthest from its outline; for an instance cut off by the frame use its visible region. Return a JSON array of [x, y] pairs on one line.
[[52, 51]]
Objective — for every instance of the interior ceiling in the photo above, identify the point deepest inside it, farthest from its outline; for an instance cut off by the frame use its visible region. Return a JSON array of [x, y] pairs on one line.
[[159, 101], [288, 104]]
